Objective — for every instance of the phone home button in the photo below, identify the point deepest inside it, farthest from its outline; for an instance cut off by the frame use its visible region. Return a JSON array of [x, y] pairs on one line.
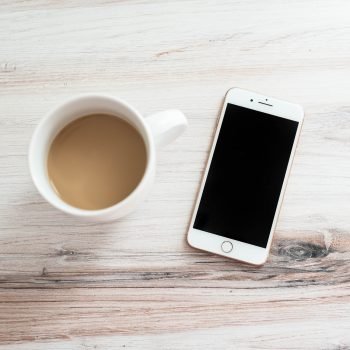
[[226, 246]]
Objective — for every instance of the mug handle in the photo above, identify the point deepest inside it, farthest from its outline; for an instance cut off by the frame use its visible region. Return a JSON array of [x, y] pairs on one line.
[[166, 126]]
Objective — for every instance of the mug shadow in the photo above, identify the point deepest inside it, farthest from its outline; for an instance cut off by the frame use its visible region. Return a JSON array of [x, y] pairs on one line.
[[49, 258], [41, 231]]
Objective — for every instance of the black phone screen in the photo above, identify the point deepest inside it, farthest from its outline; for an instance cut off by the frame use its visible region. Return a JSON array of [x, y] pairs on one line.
[[246, 175]]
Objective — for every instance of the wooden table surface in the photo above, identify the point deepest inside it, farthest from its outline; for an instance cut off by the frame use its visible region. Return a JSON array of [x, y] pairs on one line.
[[135, 283]]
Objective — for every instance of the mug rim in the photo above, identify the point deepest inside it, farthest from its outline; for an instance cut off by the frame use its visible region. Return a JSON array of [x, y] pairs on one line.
[[68, 208]]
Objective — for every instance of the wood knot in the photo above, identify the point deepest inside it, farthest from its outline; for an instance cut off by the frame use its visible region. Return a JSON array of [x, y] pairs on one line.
[[302, 251], [66, 252], [71, 254], [44, 272], [7, 67]]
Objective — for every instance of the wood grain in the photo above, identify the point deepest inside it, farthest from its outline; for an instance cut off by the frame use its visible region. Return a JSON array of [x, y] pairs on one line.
[[136, 283]]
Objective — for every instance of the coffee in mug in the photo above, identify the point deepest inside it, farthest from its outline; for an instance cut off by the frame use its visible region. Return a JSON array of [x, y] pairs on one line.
[[94, 155], [96, 161]]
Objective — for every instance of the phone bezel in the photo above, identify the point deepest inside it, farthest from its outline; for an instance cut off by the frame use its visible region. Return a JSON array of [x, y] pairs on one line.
[[211, 242]]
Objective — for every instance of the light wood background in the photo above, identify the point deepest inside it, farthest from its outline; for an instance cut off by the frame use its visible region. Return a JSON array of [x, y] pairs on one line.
[[135, 283]]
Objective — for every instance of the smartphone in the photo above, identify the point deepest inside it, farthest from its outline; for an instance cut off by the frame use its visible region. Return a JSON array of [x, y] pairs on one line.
[[242, 189]]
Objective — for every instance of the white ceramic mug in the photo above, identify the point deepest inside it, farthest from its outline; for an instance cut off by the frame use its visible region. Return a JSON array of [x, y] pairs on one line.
[[156, 130]]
